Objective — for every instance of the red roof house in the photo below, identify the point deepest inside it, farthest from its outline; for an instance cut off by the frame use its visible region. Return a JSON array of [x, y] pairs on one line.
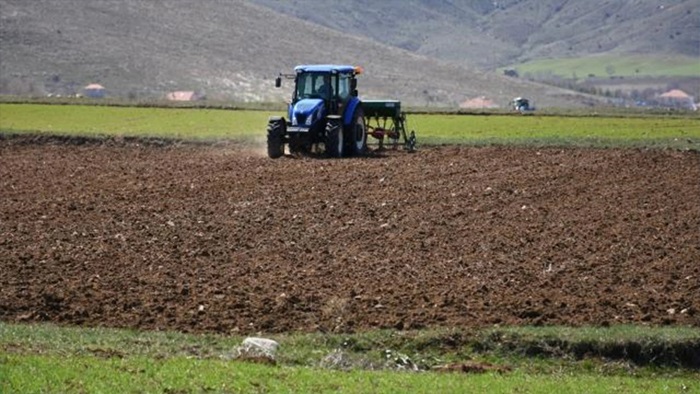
[[183, 96], [677, 98], [94, 90]]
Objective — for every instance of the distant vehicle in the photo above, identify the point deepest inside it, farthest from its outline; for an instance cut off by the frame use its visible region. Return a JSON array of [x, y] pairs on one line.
[[522, 105]]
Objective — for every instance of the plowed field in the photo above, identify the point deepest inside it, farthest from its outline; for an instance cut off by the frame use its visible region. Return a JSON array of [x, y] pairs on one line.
[[219, 238]]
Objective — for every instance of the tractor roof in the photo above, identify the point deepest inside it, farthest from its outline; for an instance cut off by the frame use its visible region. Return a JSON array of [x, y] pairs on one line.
[[327, 68]]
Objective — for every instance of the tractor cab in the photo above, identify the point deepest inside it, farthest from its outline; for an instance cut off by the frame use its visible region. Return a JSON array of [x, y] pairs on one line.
[[321, 90]]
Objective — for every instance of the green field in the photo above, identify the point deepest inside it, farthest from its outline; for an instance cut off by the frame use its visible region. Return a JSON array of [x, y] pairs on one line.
[[559, 130], [185, 123], [609, 65], [681, 132], [622, 359]]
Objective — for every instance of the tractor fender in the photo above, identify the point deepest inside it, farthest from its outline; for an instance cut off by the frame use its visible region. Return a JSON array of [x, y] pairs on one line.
[[353, 103], [275, 119]]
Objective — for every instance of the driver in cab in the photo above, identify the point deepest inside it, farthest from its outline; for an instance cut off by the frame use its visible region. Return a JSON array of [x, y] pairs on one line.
[[325, 90]]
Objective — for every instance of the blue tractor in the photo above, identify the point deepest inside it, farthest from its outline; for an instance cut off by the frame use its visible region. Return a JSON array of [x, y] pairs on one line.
[[324, 112]]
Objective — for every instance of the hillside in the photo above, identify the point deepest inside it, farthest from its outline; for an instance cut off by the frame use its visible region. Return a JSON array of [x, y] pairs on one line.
[[555, 28], [228, 50], [492, 34]]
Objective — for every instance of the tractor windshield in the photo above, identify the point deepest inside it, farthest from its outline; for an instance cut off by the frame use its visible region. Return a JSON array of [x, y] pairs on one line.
[[315, 85]]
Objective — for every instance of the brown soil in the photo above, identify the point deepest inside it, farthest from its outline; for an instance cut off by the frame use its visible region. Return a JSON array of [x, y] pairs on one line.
[[219, 238]]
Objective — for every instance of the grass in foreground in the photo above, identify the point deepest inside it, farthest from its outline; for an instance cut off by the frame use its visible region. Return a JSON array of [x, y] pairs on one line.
[[91, 374], [38, 358]]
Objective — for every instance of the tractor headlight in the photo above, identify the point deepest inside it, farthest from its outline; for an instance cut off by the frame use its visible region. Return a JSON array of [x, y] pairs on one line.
[[294, 120], [309, 119]]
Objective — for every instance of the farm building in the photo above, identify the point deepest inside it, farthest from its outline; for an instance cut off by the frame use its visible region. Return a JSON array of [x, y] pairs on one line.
[[94, 90], [184, 96], [676, 98]]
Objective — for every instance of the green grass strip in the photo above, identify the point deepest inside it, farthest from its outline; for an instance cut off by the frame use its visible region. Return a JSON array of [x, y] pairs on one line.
[[559, 130], [682, 132], [181, 123]]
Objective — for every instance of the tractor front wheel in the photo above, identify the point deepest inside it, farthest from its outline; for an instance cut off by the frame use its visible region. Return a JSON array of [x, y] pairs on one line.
[[334, 138], [275, 138]]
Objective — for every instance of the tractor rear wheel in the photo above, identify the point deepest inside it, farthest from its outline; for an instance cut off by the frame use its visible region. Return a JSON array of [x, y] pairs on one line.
[[334, 138], [275, 138], [357, 133]]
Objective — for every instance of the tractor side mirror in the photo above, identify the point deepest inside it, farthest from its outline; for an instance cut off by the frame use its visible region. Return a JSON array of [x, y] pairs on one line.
[[353, 87], [278, 82]]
